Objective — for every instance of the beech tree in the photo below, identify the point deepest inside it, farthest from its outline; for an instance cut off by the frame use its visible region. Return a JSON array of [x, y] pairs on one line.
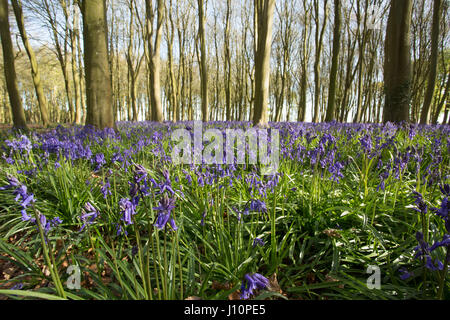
[[397, 65], [18, 113], [98, 73]]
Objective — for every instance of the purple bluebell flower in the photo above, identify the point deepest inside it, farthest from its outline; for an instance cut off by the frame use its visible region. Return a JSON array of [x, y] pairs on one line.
[[99, 161], [13, 182], [258, 242], [443, 210], [105, 188], [24, 144], [120, 230], [202, 222], [258, 205], [405, 274], [128, 209], [366, 143], [167, 184], [164, 209], [444, 243], [420, 203], [424, 250], [251, 283], [17, 286], [90, 213], [22, 196], [445, 189]]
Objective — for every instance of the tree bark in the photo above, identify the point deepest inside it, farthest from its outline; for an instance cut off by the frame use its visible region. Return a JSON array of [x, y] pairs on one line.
[[203, 66], [264, 19], [319, 44], [17, 6], [397, 65], [334, 62], [433, 62], [98, 74], [18, 113], [154, 58]]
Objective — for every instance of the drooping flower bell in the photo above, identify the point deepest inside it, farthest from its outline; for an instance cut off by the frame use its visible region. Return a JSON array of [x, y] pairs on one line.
[[164, 209], [251, 283]]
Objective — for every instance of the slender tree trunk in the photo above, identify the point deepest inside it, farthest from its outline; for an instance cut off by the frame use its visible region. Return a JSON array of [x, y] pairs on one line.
[[334, 61], [18, 113], [227, 59], [173, 84], [154, 58], [444, 101], [433, 62], [264, 19], [203, 66], [98, 74], [75, 74], [17, 6], [397, 66], [319, 45]]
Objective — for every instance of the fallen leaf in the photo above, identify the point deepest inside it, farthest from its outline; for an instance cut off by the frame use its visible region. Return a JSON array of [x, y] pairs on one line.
[[234, 295], [273, 284]]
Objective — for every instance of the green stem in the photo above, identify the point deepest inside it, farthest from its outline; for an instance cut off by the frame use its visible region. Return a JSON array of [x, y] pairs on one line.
[[51, 267]]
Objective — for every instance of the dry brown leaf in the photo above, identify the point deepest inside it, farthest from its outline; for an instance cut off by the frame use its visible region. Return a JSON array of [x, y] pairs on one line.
[[234, 295], [216, 285], [333, 233], [329, 278], [311, 278], [193, 298], [273, 284]]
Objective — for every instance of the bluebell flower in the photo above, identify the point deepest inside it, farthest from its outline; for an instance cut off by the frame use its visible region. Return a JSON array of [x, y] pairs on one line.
[[202, 222], [164, 209], [366, 143], [420, 203], [444, 243], [405, 274], [120, 230], [443, 210], [258, 242], [22, 196], [424, 250], [258, 205], [251, 283], [13, 182], [128, 209], [105, 188], [90, 213], [24, 144], [99, 161]]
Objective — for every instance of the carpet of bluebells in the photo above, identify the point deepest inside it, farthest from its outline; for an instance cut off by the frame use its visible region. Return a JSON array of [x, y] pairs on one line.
[[347, 198]]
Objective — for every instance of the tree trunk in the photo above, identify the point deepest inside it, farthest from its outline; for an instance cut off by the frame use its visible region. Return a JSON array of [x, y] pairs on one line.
[[433, 62], [334, 61], [264, 19], [98, 74], [18, 113], [319, 45], [397, 65], [173, 83], [203, 66], [75, 74], [17, 6], [154, 58]]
